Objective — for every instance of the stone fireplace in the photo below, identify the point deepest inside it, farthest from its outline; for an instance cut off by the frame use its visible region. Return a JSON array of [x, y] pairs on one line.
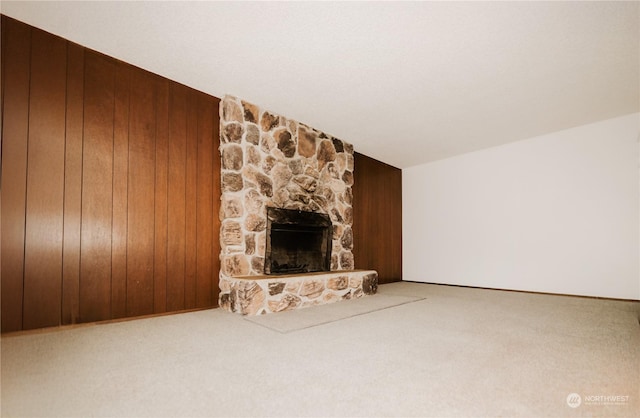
[[272, 168]]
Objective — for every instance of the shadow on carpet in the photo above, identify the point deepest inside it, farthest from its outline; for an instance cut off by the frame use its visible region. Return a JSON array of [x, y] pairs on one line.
[[298, 319]]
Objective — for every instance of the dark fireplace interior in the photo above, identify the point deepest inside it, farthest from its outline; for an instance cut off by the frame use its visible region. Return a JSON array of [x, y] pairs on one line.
[[297, 242]]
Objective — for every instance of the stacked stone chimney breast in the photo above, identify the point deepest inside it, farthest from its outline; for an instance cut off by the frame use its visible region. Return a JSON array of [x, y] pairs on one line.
[[269, 160]]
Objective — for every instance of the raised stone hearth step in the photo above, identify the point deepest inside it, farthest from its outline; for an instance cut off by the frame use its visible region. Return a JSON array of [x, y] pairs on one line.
[[257, 295]]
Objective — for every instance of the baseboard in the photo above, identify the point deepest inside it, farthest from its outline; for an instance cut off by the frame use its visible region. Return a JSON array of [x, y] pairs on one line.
[[527, 291]]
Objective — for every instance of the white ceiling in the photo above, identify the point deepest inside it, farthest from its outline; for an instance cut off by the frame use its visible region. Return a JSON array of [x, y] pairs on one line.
[[405, 82]]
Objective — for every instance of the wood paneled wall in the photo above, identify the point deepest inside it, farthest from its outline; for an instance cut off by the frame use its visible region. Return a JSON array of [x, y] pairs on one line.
[[110, 187], [377, 218]]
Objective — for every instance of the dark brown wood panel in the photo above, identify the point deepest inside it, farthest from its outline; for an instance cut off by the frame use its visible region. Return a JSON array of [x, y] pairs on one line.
[[72, 185], [204, 203], [120, 192], [161, 160], [140, 237], [97, 188], [16, 58], [45, 182], [191, 179], [215, 226], [110, 187], [176, 242], [377, 218]]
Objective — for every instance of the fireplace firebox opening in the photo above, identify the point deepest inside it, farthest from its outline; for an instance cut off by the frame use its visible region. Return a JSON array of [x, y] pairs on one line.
[[297, 242]]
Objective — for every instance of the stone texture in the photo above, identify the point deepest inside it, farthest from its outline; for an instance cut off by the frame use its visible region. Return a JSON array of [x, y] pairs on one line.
[[336, 216], [257, 265], [225, 285], [261, 242], [338, 283], [312, 288], [269, 163], [335, 264], [230, 207], [224, 301], [250, 244], [287, 303], [296, 166], [281, 175], [251, 112], [348, 148], [326, 153], [232, 182], [347, 177], [347, 196], [346, 260], [308, 184], [337, 231], [347, 239], [269, 160], [253, 202], [276, 288], [235, 265], [253, 155], [355, 282], [231, 233], [231, 111], [269, 121], [250, 297], [279, 293], [330, 298], [253, 134], [348, 215], [261, 180], [285, 142], [267, 143], [232, 157], [306, 142], [338, 145], [232, 133], [370, 284], [292, 286], [255, 222]]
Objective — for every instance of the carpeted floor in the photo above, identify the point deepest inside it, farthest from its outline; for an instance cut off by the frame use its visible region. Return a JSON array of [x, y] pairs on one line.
[[447, 351]]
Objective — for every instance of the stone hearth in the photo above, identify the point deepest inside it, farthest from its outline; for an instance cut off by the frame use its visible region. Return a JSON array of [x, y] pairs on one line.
[[256, 295]]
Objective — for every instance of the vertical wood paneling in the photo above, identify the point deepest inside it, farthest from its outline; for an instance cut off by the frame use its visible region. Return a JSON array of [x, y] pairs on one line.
[[72, 185], [97, 188], [110, 187], [140, 236], [161, 159], [377, 217], [204, 202], [16, 57], [217, 192], [176, 242], [120, 192], [45, 182], [190, 201]]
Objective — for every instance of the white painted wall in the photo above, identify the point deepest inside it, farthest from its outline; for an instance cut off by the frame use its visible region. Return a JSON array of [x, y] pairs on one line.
[[558, 213]]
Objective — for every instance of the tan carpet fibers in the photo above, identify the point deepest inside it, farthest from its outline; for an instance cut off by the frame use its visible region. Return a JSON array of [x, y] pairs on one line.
[[457, 352]]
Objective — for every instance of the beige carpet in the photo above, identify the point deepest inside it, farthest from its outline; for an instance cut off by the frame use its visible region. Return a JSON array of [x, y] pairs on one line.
[[319, 315], [459, 352]]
